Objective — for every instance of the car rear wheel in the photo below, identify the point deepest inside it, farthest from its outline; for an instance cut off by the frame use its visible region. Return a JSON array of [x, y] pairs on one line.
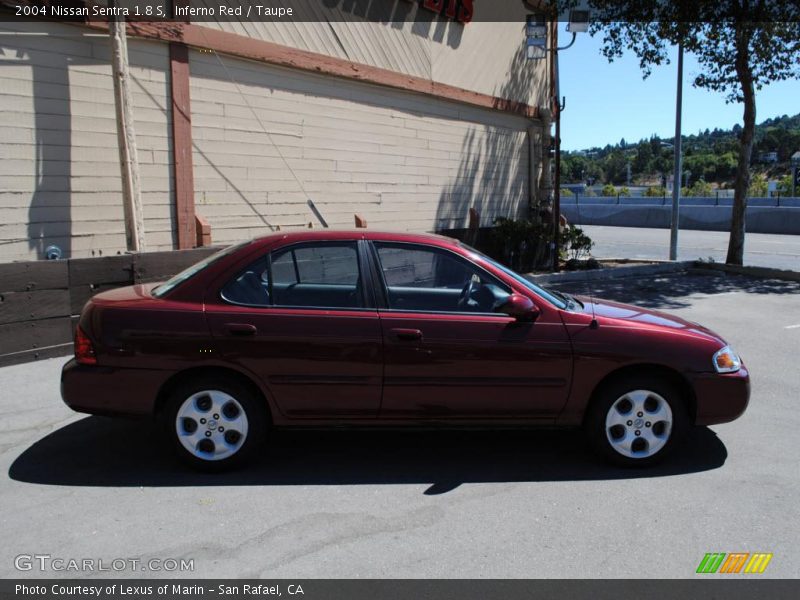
[[637, 421], [214, 424]]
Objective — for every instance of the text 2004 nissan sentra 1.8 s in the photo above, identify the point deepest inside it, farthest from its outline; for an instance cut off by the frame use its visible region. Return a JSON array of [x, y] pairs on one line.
[[385, 329]]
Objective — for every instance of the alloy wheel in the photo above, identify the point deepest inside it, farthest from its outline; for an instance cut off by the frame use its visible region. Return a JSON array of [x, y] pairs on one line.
[[212, 425]]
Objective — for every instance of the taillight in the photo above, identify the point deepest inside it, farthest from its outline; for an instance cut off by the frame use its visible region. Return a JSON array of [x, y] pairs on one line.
[[84, 351]]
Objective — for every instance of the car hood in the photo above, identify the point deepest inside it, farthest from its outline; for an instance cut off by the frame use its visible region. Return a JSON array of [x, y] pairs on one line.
[[644, 317]]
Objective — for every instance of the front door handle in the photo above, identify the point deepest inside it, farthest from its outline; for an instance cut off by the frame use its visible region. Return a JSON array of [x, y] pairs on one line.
[[241, 328], [407, 334]]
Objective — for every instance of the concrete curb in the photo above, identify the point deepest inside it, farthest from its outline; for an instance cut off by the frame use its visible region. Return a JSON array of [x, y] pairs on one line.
[[612, 273], [662, 268], [760, 272]]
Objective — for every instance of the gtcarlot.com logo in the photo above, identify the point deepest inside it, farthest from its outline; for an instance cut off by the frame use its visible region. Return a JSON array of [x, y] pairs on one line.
[[735, 562], [46, 562]]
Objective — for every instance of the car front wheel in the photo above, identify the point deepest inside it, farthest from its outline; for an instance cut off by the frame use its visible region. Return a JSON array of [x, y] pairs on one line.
[[636, 422], [214, 425]]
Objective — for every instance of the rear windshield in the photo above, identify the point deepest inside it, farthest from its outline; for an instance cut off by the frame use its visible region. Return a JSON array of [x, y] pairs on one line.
[[186, 274]]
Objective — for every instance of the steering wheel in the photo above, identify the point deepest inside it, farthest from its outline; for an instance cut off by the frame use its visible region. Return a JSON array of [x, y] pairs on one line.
[[466, 294]]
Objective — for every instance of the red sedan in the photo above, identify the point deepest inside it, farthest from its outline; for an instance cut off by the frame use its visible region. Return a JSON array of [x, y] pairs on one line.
[[382, 329]]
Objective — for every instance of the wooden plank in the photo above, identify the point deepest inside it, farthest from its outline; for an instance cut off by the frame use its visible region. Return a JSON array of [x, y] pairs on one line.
[[34, 275], [80, 294], [108, 269], [182, 145], [157, 266], [26, 356], [28, 306], [34, 335]]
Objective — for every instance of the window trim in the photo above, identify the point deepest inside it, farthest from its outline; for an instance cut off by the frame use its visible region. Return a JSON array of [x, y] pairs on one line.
[[384, 306], [368, 305]]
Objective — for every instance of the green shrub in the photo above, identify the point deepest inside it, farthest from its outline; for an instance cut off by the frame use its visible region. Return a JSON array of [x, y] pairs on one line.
[[655, 192], [575, 244], [519, 243], [609, 190]]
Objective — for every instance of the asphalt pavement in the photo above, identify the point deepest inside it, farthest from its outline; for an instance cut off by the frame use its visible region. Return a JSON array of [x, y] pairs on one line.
[[761, 249], [453, 504]]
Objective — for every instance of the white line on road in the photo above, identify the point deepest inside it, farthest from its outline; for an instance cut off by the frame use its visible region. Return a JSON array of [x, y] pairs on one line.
[[793, 326]]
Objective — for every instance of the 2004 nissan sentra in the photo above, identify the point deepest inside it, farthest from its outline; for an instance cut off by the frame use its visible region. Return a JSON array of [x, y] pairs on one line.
[[386, 329]]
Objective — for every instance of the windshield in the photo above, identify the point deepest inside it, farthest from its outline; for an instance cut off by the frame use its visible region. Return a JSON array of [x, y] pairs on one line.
[[170, 284], [557, 298]]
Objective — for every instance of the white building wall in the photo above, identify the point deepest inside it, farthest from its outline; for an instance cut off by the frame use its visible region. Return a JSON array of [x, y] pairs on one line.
[[481, 56], [402, 160], [59, 164]]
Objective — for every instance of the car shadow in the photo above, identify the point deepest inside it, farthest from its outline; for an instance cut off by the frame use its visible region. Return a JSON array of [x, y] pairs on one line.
[[673, 291], [98, 451]]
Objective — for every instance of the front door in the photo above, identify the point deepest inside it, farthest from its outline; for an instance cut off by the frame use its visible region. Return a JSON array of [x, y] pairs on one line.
[[300, 320], [449, 355]]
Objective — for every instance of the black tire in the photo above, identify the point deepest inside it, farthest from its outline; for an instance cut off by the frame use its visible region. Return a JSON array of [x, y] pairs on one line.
[[600, 437], [244, 447]]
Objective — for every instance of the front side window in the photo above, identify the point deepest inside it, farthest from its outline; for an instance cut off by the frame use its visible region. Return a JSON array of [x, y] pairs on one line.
[[324, 275], [421, 278]]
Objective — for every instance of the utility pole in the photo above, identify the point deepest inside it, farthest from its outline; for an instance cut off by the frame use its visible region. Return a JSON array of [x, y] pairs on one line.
[[126, 136], [676, 186]]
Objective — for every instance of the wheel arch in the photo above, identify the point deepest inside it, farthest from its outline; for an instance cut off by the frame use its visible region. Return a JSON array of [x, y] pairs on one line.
[[180, 377], [660, 372]]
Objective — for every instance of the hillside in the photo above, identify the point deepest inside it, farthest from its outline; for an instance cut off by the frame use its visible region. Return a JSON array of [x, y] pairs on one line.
[[710, 155]]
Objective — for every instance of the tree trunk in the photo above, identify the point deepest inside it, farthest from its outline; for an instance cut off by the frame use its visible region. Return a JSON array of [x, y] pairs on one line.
[[742, 183]]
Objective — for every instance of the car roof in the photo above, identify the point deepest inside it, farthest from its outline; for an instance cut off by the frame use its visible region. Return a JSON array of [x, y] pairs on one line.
[[301, 235]]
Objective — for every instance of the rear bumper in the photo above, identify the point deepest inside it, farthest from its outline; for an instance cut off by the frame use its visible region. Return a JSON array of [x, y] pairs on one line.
[[721, 398], [110, 390]]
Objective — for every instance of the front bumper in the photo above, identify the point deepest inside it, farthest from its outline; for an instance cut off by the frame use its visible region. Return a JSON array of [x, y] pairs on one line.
[[721, 398], [101, 390]]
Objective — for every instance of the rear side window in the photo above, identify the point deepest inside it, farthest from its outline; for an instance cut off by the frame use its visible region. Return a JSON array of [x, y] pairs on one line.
[[322, 275], [322, 265]]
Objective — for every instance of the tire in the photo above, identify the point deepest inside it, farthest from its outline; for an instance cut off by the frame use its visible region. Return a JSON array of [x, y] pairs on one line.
[[214, 424], [647, 405]]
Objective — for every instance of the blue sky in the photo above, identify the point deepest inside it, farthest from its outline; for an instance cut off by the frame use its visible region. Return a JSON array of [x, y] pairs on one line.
[[608, 101]]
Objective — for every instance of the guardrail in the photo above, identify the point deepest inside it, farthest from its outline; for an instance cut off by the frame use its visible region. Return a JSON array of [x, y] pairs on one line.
[[764, 215]]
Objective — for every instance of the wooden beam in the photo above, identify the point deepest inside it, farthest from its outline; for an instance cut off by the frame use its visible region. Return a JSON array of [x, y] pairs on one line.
[[203, 228], [182, 168], [126, 136], [205, 38]]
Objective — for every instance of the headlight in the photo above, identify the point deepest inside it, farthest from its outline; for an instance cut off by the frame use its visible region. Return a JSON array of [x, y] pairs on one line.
[[726, 360]]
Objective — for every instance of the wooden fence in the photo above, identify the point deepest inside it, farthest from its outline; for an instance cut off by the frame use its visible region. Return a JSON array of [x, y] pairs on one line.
[[40, 301]]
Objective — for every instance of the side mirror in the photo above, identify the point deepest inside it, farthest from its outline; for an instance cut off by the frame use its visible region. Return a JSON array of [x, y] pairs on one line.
[[520, 307]]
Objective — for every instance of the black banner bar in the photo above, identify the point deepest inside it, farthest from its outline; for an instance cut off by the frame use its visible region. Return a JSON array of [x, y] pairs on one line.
[[730, 588]]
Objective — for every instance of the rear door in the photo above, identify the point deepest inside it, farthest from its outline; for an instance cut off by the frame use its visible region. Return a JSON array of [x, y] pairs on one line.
[[450, 355], [301, 319]]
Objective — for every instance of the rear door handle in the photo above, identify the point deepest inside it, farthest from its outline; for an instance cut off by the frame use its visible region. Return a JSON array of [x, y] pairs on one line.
[[407, 334], [241, 328]]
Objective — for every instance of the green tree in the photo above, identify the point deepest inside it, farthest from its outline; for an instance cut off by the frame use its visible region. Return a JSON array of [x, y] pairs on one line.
[[740, 46], [785, 185], [758, 186]]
